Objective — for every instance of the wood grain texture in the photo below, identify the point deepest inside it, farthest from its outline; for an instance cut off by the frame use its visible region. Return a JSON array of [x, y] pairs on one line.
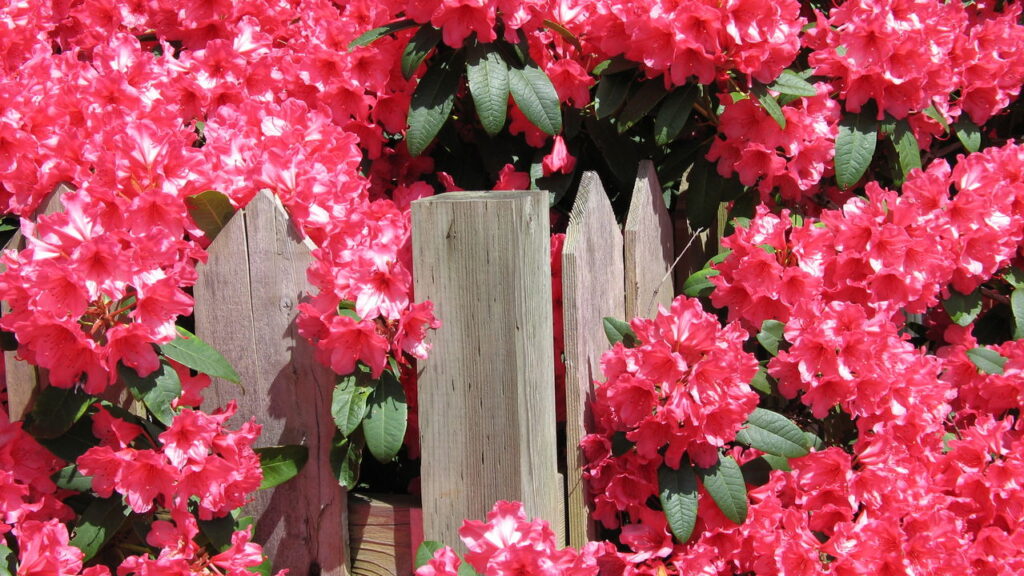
[[592, 282], [23, 379], [649, 253], [246, 303], [487, 418], [384, 534]]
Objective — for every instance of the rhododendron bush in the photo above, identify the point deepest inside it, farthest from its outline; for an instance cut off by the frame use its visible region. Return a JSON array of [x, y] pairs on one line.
[[839, 391]]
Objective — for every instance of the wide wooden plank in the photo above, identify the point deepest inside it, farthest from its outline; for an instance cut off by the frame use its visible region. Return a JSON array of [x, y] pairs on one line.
[[23, 379], [649, 253], [246, 303], [592, 281], [385, 533], [487, 418]]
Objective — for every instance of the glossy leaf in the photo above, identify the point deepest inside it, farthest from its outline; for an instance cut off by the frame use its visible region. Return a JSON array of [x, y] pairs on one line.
[[933, 113], [987, 360], [1017, 305], [963, 308], [420, 45], [968, 133], [98, 524], [346, 458], [56, 410], [698, 284], [640, 103], [69, 478], [612, 90], [771, 335], [773, 433], [281, 463], [348, 403], [673, 113], [426, 551], [760, 381], [703, 194], [371, 36], [724, 482], [770, 105], [536, 98], [189, 350], [619, 331], [677, 491], [791, 83], [386, 419], [432, 103], [855, 146], [218, 531], [487, 73], [156, 391], [211, 211], [7, 561], [907, 150]]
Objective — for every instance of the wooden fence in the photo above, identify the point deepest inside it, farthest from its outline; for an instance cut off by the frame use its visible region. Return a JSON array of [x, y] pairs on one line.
[[487, 394]]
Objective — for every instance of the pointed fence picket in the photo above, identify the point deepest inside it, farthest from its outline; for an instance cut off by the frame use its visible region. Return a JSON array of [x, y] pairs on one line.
[[487, 417]]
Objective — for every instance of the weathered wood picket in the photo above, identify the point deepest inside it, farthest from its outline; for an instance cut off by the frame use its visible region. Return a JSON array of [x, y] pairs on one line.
[[487, 416]]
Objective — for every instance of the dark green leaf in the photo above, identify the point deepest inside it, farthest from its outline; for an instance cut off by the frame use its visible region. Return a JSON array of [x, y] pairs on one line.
[[73, 443], [56, 410], [426, 551], [778, 462], [346, 458], [431, 103], [619, 331], [100, 521], [156, 391], [907, 150], [640, 103], [622, 160], [756, 472], [266, 568], [968, 134], [677, 491], [987, 360], [7, 561], [760, 381], [963, 308], [613, 66], [536, 97], [69, 478], [211, 211], [703, 194], [814, 441], [419, 46], [855, 146], [386, 420], [724, 482], [1014, 276], [673, 113], [487, 74], [370, 36], [770, 105], [698, 284], [1017, 305], [466, 569], [773, 433], [348, 404], [791, 83], [189, 350], [281, 463], [219, 531], [611, 93], [933, 113], [771, 335]]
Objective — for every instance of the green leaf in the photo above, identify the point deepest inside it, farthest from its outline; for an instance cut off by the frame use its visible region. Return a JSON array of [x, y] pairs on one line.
[[370, 36], [963, 308], [703, 194], [281, 463], [760, 381], [933, 113], [211, 211], [757, 471], [56, 410], [219, 531], [426, 551], [677, 491], [698, 284], [98, 524], [536, 97], [73, 443], [611, 93], [773, 433], [1014, 276], [419, 46], [855, 146], [907, 150], [791, 83], [346, 458], [487, 73], [771, 335], [640, 103], [189, 350], [385, 423], [619, 331], [348, 403], [7, 561], [724, 482], [432, 102], [1017, 305], [564, 33], [156, 391], [69, 478], [466, 569], [613, 66], [770, 104], [777, 462], [968, 133], [265, 568], [987, 360]]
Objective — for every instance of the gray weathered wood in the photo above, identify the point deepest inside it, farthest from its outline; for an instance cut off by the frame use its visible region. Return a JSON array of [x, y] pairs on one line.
[[592, 281], [246, 304], [648, 247], [23, 379], [386, 531], [487, 418]]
